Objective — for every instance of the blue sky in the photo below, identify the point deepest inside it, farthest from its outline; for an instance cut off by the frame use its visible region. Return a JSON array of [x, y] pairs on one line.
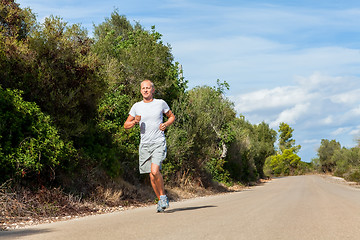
[[286, 61]]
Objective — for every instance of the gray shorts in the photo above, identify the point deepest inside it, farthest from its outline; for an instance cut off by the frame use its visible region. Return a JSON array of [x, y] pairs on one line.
[[151, 153]]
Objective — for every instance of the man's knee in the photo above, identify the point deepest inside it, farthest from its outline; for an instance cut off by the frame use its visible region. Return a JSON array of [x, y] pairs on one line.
[[155, 170]]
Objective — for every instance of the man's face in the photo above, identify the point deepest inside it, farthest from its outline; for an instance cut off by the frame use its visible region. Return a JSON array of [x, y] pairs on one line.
[[147, 90]]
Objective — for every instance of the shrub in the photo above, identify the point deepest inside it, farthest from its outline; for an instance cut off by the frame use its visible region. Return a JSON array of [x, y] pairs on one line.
[[353, 175], [29, 144]]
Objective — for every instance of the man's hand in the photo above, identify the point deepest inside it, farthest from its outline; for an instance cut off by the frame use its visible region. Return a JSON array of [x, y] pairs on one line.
[[162, 127], [171, 119], [137, 119], [131, 121]]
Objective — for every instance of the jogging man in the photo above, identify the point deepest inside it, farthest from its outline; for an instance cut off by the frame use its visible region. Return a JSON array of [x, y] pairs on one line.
[[152, 149]]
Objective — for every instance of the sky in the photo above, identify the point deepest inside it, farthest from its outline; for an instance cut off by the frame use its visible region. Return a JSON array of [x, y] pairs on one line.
[[293, 61]]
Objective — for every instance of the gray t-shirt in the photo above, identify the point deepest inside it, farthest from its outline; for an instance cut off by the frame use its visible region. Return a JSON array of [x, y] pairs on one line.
[[151, 117]]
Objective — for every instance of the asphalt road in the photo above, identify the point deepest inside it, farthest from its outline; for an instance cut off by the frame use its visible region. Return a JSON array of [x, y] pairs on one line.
[[303, 207]]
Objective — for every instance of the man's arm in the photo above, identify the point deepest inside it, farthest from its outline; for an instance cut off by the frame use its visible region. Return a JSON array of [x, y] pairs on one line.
[[130, 122], [171, 119]]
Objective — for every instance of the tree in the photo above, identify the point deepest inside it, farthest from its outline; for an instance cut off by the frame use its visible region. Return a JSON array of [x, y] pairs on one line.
[[325, 153], [242, 151], [131, 54], [67, 84], [286, 161], [29, 143], [285, 138], [14, 21], [203, 119], [15, 58], [53, 66], [264, 141]]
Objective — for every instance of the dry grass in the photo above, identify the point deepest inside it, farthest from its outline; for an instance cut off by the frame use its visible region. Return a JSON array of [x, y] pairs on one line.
[[22, 207]]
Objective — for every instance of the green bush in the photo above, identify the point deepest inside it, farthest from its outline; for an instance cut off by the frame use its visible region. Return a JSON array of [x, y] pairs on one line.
[[29, 144], [353, 175], [107, 143], [217, 171]]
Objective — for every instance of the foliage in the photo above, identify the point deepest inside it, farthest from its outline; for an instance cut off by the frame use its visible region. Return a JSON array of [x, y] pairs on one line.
[[347, 163], [286, 162], [14, 21], [208, 141], [15, 27], [325, 153], [342, 162], [263, 146], [29, 143], [132, 54], [353, 175], [54, 67], [242, 152], [217, 170], [203, 117], [109, 144], [68, 73], [285, 138]]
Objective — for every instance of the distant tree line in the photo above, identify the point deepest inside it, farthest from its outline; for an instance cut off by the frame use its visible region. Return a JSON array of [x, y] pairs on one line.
[[65, 96]]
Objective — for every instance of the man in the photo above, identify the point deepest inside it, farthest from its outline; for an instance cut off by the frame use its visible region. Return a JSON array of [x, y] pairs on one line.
[[152, 149]]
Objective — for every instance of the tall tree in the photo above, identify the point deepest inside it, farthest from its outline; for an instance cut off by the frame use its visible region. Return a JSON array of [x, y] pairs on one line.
[[285, 137], [15, 57], [265, 139], [286, 161], [203, 119], [67, 71], [325, 154], [14, 21], [132, 54]]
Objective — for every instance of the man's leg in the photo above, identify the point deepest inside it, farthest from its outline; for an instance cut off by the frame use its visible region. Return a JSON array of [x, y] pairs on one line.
[[156, 180]]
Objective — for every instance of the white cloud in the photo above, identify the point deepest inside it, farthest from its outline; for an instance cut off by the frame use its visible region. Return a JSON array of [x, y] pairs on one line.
[[290, 116], [312, 97], [327, 121], [314, 106], [356, 132], [317, 81], [306, 141], [340, 131], [347, 97], [355, 111], [271, 99]]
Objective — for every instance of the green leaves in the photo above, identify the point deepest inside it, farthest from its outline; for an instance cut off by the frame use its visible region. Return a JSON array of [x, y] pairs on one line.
[[325, 153], [286, 162], [285, 138], [131, 54], [29, 143], [341, 161]]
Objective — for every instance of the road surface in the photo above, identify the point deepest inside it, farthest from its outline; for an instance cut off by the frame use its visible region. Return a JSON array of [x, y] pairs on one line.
[[302, 207]]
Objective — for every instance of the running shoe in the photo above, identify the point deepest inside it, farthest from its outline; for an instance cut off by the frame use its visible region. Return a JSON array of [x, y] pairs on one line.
[[164, 202], [159, 208]]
